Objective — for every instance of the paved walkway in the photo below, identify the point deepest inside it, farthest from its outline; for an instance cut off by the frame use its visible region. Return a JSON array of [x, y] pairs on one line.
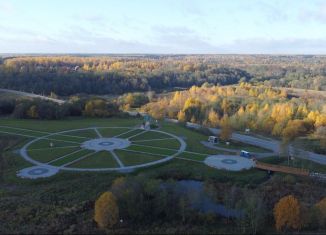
[[117, 159], [121, 168], [22, 93]]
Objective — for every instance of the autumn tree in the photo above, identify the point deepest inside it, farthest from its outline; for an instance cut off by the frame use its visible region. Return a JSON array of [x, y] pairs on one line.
[[295, 128], [321, 135], [106, 210], [321, 212], [213, 118], [32, 112], [226, 130], [181, 116], [287, 213]]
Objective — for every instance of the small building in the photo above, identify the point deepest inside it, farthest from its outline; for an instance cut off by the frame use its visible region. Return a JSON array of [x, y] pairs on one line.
[[213, 139], [247, 131], [245, 154]]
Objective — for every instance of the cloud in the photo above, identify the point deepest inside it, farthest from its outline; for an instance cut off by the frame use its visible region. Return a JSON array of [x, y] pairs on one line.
[[317, 13], [270, 11], [6, 7], [182, 40], [277, 46]]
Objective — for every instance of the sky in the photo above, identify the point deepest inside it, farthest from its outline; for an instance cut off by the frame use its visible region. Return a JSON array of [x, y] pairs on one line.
[[163, 26]]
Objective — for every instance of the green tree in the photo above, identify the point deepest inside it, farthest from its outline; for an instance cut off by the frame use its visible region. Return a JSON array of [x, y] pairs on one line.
[[254, 214]]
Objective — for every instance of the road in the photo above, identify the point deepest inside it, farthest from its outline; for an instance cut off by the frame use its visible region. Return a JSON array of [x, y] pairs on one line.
[[31, 95], [274, 146]]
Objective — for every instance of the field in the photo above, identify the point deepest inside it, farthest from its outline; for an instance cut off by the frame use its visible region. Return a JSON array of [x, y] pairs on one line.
[[241, 146], [64, 195], [63, 149]]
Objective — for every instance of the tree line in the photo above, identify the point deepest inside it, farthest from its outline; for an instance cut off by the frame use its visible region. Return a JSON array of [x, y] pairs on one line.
[[23, 108], [259, 108], [67, 75], [105, 75], [140, 202]]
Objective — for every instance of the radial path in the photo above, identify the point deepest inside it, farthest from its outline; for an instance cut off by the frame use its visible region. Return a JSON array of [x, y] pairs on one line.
[[122, 149]]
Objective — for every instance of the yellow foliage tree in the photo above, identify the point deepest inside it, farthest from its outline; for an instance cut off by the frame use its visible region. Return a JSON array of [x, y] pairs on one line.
[[287, 213], [321, 209], [226, 130], [241, 111], [320, 120], [213, 118], [181, 116], [32, 112], [106, 210], [293, 129]]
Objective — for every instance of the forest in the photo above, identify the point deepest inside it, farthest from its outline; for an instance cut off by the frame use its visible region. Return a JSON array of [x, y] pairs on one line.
[[261, 109], [118, 74]]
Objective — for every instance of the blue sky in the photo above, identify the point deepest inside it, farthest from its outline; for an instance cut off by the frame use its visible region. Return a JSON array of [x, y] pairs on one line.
[[163, 26]]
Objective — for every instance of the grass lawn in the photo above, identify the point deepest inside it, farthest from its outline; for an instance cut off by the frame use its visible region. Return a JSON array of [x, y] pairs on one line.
[[171, 144], [49, 155], [130, 158], [150, 135], [110, 132], [242, 146], [191, 156], [130, 134], [149, 149], [65, 137], [101, 159], [71, 157], [45, 143], [21, 132], [69, 123], [192, 138], [88, 134]]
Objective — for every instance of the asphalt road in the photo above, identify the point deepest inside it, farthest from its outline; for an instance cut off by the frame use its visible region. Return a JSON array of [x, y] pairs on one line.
[[274, 146]]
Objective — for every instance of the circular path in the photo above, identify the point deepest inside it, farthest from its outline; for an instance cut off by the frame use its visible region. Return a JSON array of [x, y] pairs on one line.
[[127, 143], [229, 162]]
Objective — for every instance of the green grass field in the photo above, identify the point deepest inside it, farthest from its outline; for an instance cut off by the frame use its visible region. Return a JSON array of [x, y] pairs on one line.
[[242, 146], [130, 158], [110, 132], [191, 137], [49, 155], [69, 123], [170, 143], [149, 135], [101, 159], [145, 145], [46, 144], [71, 157]]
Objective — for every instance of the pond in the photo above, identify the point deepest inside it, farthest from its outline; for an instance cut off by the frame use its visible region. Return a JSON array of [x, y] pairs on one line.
[[201, 201]]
